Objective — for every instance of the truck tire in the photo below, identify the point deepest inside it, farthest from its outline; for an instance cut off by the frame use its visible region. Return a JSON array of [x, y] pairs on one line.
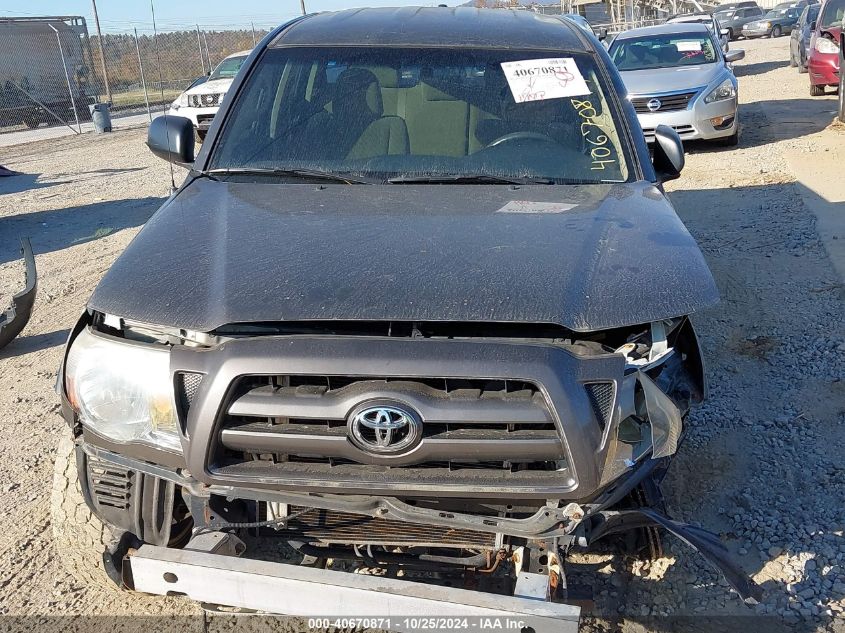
[[816, 91], [777, 32], [80, 537]]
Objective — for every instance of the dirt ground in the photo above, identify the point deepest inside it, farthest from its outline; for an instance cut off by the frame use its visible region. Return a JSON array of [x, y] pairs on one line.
[[764, 460]]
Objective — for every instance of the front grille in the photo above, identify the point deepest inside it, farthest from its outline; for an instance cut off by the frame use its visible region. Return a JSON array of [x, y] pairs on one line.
[[668, 103], [476, 428], [682, 130], [187, 387], [205, 100], [601, 400], [110, 485], [342, 528]]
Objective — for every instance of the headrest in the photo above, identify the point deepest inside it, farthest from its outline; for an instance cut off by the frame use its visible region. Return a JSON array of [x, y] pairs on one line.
[[387, 77], [356, 93]]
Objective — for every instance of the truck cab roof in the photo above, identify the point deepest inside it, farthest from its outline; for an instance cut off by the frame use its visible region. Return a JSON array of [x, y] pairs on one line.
[[459, 27]]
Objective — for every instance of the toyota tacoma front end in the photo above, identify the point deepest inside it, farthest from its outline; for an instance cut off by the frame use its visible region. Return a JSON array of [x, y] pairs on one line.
[[357, 341]]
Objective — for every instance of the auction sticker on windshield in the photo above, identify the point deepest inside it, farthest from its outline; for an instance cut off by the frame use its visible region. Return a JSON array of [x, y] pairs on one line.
[[688, 46], [540, 79]]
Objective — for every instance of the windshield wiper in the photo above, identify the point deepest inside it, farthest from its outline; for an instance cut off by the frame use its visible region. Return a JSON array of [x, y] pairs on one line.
[[465, 179], [313, 174]]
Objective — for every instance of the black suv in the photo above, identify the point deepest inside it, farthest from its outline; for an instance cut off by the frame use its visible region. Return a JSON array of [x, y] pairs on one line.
[[420, 305]]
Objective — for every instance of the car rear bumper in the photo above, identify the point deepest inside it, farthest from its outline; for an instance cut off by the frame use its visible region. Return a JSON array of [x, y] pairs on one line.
[[823, 68], [695, 122]]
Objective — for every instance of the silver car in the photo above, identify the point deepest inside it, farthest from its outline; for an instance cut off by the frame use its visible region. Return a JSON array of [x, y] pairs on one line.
[[708, 20], [677, 75]]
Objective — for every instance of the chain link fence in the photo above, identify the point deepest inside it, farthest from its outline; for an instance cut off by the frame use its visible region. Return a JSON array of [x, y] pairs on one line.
[[52, 69]]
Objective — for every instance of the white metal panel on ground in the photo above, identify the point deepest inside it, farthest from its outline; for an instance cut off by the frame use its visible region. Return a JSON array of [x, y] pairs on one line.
[[302, 591]]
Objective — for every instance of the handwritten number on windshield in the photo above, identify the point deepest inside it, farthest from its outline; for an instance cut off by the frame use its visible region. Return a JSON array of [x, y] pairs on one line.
[[601, 151]]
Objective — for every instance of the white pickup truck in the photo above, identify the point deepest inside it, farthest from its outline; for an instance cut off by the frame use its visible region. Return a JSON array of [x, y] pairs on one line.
[[200, 103]]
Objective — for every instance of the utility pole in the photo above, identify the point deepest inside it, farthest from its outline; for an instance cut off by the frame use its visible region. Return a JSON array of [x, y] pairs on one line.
[[302, 6], [102, 52]]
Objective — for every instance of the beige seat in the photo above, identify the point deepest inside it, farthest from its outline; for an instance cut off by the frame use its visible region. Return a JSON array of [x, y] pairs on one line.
[[437, 122], [361, 130]]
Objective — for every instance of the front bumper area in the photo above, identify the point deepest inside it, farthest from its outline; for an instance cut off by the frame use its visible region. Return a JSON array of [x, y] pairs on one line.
[[200, 117], [756, 31], [256, 584], [823, 68], [371, 601], [695, 122], [550, 520]]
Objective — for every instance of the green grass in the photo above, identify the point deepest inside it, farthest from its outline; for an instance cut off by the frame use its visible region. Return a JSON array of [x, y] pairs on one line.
[[136, 97]]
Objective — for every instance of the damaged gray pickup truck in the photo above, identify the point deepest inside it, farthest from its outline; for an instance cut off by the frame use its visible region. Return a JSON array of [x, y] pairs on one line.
[[420, 306]]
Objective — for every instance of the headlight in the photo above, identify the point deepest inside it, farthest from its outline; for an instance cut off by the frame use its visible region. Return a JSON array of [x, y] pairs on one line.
[[122, 391], [724, 90], [766, 25], [824, 45], [181, 102]]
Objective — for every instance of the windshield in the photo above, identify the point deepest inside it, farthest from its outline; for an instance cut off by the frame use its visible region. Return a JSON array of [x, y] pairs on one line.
[[663, 51], [831, 15], [405, 113], [228, 68], [724, 15]]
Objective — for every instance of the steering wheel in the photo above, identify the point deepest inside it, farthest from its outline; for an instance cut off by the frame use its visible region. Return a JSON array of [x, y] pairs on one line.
[[520, 136]]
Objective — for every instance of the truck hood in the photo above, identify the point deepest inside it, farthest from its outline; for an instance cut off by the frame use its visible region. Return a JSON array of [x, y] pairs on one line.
[[211, 87], [585, 257], [660, 80]]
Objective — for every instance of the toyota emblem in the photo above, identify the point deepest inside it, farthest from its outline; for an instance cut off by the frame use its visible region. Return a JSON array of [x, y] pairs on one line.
[[384, 429], [653, 105]]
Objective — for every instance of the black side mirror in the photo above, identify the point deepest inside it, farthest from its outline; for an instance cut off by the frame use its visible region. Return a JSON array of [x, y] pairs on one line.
[[813, 25], [602, 33], [734, 55], [172, 138], [668, 157]]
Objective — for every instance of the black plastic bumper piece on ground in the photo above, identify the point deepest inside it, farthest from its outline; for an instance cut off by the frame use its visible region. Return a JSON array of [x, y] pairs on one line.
[[16, 316], [705, 543]]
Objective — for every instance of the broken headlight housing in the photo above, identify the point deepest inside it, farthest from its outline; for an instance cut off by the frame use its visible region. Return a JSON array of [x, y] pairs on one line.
[[122, 390], [659, 385]]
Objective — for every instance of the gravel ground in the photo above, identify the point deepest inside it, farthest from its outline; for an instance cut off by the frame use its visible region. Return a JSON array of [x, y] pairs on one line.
[[764, 460]]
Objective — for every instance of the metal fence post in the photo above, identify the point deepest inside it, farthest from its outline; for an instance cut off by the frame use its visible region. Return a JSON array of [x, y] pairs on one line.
[[143, 80], [207, 54], [252, 24], [67, 77], [199, 46]]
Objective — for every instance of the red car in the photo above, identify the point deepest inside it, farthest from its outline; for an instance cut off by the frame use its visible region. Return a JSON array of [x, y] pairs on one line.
[[823, 61]]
